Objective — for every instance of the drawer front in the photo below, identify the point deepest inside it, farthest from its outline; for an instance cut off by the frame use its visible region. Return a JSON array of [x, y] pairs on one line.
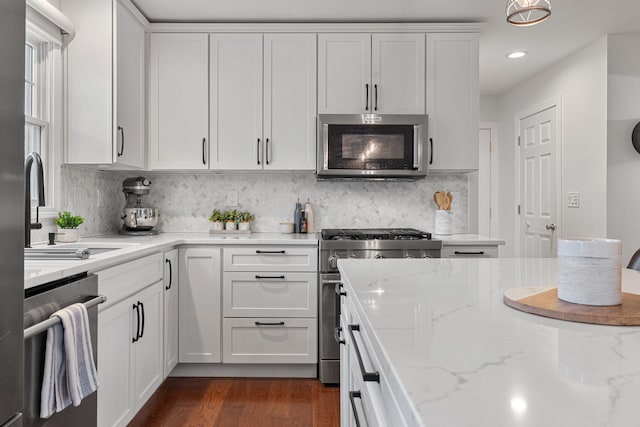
[[268, 294], [271, 258], [469, 251], [121, 281], [269, 340]]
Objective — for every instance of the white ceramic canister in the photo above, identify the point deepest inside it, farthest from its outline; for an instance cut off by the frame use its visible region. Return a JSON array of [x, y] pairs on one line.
[[590, 271], [444, 222]]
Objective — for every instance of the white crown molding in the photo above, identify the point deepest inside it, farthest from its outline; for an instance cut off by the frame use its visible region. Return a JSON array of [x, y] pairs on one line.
[[282, 27]]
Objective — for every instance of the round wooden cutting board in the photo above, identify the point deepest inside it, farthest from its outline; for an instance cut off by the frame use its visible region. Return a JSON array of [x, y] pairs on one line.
[[544, 301]]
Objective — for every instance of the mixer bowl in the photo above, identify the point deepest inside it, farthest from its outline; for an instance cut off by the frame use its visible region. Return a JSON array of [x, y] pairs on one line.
[[140, 218]]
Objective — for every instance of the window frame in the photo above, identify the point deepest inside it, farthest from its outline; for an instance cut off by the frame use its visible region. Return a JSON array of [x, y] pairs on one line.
[[47, 112]]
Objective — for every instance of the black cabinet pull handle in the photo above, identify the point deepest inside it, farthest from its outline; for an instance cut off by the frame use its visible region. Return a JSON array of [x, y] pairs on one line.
[[168, 261], [468, 253], [121, 130], [339, 290], [142, 307], [339, 293], [258, 151], [375, 87], [336, 335], [353, 395], [137, 337], [366, 103], [270, 252], [270, 277], [204, 143], [269, 323], [366, 376], [267, 151], [430, 151]]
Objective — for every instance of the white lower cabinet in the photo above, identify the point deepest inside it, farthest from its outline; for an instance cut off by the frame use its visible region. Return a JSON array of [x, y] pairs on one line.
[[170, 311], [130, 356], [270, 340], [199, 311]]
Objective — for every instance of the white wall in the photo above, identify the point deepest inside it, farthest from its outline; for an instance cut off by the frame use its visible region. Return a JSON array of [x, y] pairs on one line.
[[580, 81], [489, 111], [623, 180]]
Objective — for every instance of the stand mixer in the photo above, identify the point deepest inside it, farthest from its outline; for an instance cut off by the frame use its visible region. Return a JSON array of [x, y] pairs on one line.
[[138, 220]]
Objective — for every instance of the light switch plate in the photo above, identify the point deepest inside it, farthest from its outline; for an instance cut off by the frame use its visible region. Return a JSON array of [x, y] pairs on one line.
[[232, 198], [573, 200]]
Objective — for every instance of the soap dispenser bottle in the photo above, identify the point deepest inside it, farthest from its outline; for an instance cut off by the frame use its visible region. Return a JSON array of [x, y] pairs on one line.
[[308, 211], [297, 217]]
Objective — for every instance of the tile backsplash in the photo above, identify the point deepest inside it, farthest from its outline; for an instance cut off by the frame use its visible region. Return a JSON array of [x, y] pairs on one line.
[[186, 200]]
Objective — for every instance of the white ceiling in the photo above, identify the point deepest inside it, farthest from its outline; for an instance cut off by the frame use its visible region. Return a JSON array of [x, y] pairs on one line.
[[573, 24]]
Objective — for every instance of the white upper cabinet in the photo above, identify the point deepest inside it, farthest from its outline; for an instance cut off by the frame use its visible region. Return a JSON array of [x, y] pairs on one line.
[[344, 73], [105, 84], [371, 73], [263, 101], [236, 101], [179, 101], [452, 101], [290, 101]]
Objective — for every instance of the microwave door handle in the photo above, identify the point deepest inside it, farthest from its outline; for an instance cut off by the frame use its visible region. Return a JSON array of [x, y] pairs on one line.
[[417, 150], [325, 144]]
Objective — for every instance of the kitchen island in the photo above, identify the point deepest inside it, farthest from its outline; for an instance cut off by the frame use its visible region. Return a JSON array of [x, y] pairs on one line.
[[450, 353]]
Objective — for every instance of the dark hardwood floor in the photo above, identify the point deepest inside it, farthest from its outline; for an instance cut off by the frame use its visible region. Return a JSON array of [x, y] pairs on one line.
[[240, 402]]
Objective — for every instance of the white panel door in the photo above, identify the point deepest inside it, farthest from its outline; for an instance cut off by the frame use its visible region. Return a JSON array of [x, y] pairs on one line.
[[116, 330], [236, 101], [398, 73], [452, 101], [344, 73], [290, 101], [199, 305], [170, 310], [129, 132], [538, 175], [178, 101], [148, 373]]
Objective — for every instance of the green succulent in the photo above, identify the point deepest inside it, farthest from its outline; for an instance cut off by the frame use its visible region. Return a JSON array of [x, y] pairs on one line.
[[217, 216], [66, 220]]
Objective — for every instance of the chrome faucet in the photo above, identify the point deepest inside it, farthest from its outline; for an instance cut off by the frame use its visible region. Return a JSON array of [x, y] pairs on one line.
[[32, 158]]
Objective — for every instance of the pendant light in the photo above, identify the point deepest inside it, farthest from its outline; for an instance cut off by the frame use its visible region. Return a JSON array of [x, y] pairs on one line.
[[527, 12]]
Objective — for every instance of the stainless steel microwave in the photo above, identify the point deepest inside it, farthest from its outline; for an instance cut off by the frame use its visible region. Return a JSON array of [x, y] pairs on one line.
[[372, 146]]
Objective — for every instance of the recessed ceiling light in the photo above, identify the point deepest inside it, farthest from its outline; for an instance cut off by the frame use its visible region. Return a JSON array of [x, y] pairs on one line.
[[516, 55]]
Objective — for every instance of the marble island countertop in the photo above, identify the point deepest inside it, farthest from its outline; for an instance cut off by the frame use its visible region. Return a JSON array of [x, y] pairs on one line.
[[457, 356]]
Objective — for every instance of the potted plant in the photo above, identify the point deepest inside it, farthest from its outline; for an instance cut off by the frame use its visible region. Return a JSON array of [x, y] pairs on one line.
[[68, 226], [230, 219], [217, 218], [244, 220]]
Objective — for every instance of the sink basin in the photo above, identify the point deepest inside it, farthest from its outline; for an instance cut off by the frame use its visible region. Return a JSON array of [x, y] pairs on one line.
[[73, 251]]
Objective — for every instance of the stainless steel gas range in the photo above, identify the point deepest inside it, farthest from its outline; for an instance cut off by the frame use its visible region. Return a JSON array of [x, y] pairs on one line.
[[357, 243]]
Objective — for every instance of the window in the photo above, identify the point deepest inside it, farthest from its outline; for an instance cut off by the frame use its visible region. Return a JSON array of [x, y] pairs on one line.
[[42, 112]]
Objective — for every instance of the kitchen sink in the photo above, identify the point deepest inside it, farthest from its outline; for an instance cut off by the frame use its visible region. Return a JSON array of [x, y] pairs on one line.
[[73, 251]]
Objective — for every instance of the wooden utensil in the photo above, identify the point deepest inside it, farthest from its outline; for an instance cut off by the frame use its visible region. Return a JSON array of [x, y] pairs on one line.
[[449, 200], [435, 199], [441, 199]]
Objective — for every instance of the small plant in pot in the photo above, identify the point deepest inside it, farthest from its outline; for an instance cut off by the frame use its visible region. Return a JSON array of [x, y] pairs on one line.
[[230, 219], [218, 219], [68, 226], [244, 220]]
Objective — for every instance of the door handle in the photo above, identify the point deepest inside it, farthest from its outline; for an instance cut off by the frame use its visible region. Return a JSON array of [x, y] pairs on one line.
[[373, 376], [270, 277], [137, 337], [353, 395], [204, 143], [121, 130], [430, 151], [258, 151], [527, 224], [269, 323], [366, 103], [551, 227], [336, 335], [168, 261], [267, 151], [142, 309], [375, 88]]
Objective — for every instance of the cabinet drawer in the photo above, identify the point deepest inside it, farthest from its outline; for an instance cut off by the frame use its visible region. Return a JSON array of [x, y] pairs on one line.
[[121, 281], [270, 294], [470, 251], [271, 258], [269, 340]]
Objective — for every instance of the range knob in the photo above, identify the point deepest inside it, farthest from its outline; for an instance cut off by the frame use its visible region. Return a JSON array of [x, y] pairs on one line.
[[379, 256], [427, 256], [333, 261]]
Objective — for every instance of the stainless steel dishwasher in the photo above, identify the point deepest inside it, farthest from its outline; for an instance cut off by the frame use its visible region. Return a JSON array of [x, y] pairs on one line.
[[39, 304]]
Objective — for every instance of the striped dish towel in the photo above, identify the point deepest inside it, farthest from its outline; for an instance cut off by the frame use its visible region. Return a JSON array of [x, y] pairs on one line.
[[69, 371]]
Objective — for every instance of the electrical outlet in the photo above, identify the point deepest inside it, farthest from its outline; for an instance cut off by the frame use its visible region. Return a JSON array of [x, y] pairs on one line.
[[232, 198], [573, 200]]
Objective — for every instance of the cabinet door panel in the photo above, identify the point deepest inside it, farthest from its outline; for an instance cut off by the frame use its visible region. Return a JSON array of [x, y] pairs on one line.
[[452, 101], [398, 73], [236, 101], [129, 134], [171, 285], [290, 101], [344, 70], [115, 364], [178, 101], [199, 305]]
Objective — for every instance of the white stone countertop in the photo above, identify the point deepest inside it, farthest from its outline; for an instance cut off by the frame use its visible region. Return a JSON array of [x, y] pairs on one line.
[[456, 355], [37, 272], [468, 240]]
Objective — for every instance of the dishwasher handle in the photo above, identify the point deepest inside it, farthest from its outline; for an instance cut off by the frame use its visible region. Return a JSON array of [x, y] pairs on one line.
[[46, 324]]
